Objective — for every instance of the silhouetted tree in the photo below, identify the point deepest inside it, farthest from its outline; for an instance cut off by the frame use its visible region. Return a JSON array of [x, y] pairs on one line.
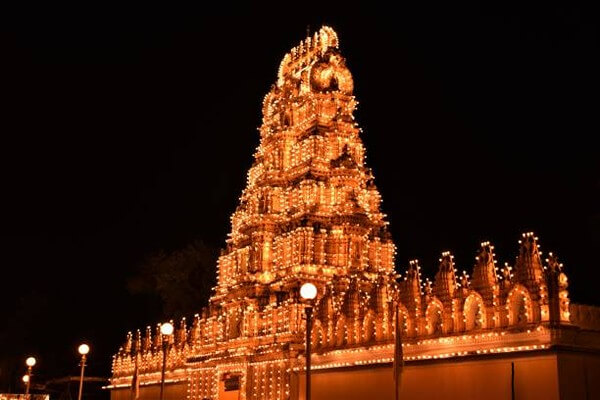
[[182, 279]]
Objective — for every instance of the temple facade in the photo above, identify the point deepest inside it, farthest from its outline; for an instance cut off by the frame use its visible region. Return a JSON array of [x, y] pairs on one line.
[[311, 213]]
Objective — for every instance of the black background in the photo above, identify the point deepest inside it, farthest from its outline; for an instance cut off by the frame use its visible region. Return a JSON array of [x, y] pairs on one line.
[[128, 131]]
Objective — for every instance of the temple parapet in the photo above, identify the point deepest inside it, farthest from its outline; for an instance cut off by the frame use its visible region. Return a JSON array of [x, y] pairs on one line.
[[585, 316], [357, 312]]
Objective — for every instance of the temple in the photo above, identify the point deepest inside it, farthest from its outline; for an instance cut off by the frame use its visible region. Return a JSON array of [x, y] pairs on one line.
[[311, 213]]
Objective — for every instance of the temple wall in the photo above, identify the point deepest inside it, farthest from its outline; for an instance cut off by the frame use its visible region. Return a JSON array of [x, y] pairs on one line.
[[542, 376], [579, 375], [173, 391], [562, 375]]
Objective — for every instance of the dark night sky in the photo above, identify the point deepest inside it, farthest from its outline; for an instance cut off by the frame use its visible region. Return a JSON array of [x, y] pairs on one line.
[[125, 135]]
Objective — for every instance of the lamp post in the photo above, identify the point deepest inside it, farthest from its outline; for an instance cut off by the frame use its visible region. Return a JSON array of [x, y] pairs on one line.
[[166, 331], [83, 349], [30, 362], [25, 379], [308, 292]]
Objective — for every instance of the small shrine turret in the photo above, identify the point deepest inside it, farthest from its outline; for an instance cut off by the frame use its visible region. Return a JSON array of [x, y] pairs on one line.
[[445, 283], [485, 279]]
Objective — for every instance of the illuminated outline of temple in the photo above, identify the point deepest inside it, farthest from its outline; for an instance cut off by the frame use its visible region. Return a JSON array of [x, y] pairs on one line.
[[311, 212]]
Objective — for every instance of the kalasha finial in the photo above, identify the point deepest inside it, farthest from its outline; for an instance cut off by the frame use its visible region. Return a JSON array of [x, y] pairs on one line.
[[323, 40], [138, 341], [553, 264], [464, 280]]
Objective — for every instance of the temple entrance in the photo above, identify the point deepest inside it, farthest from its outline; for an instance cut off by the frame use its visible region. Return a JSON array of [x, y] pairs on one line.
[[229, 386]]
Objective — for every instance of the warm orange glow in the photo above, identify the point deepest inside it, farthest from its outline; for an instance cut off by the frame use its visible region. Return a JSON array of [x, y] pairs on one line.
[[311, 212], [30, 362]]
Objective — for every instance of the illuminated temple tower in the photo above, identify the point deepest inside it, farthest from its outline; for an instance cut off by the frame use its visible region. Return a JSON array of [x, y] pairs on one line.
[[311, 212]]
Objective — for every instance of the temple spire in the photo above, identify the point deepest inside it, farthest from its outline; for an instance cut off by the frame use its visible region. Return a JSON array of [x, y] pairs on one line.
[[445, 283], [485, 279], [528, 266], [310, 208]]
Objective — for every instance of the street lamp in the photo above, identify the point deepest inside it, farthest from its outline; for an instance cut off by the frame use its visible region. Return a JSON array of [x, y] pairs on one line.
[[166, 331], [308, 292], [30, 362], [83, 349]]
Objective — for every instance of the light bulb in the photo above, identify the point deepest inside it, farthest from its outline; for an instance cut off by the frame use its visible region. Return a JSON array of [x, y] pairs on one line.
[[83, 349], [308, 291], [166, 328]]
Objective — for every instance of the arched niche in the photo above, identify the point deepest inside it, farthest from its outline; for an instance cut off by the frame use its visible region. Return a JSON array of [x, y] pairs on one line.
[[369, 331], [519, 306], [434, 318], [474, 312], [318, 335], [341, 332]]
